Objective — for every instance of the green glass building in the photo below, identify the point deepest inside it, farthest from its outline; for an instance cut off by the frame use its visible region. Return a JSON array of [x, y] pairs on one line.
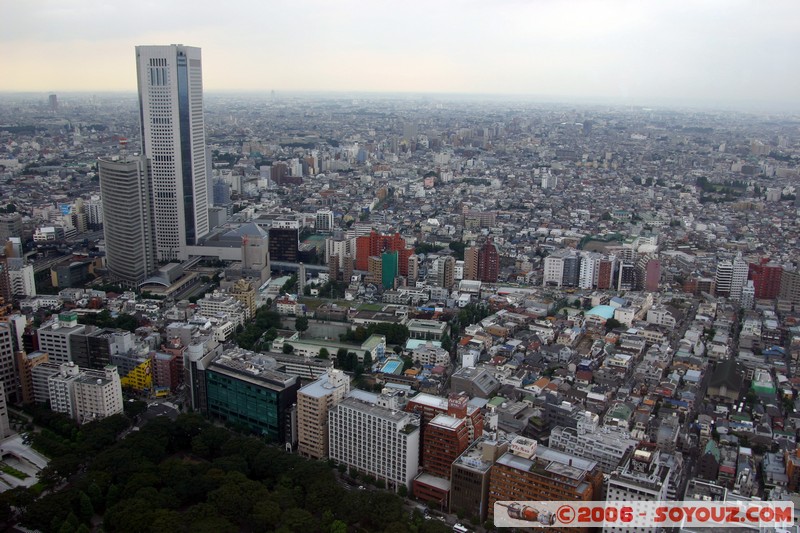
[[245, 389], [389, 269]]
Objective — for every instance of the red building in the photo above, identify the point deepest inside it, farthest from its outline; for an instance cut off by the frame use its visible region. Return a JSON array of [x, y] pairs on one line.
[[652, 275], [448, 427], [168, 365], [605, 275], [766, 278], [488, 263], [375, 244]]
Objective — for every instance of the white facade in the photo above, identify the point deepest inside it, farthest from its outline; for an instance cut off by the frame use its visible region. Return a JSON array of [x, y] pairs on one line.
[[606, 446], [8, 375], [85, 395], [218, 303], [589, 270], [54, 337], [375, 440], [97, 397], [553, 270], [324, 221], [173, 139], [22, 280]]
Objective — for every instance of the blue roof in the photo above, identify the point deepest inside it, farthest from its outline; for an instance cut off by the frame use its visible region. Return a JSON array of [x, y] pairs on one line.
[[603, 311]]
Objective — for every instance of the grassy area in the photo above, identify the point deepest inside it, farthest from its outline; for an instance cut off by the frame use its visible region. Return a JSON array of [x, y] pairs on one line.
[[11, 471]]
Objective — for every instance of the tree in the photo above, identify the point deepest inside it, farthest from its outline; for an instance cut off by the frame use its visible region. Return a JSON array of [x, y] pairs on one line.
[[323, 353], [367, 360], [447, 343], [288, 348], [301, 324], [613, 323]]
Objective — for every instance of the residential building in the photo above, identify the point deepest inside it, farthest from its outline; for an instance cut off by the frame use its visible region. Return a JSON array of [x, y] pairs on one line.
[[314, 401], [607, 446], [379, 441], [643, 477], [531, 472]]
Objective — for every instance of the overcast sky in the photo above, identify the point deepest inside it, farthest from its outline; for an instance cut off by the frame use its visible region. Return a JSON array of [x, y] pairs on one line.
[[725, 52]]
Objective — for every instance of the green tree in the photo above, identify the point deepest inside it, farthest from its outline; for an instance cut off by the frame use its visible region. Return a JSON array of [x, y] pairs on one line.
[[86, 507], [301, 324], [367, 360], [323, 353], [613, 323], [288, 348]]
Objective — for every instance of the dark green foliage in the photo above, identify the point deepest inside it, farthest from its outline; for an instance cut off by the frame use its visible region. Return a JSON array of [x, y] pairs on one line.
[[189, 476], [103, 319]]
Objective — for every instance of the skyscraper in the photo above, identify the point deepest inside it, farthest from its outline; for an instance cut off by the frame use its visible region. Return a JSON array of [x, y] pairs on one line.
[[128, 225], [173, 139]]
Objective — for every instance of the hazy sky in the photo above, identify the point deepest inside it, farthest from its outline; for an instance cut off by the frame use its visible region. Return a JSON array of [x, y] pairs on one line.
[[722, 52]]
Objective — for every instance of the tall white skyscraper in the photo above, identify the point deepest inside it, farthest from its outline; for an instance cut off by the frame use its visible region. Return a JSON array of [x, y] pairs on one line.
[[173, 139]]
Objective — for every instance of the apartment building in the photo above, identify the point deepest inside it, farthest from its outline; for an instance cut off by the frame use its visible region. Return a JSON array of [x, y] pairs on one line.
[[376, 440], [313, 403]]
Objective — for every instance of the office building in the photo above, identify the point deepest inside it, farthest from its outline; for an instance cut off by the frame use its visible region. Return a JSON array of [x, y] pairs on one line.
[[324, 220], [444, 439], [22, 283], [374, 244], [389, 268], [173, 140], [374, 439], [54, 337], [730, 278], [128, 229], [247, 389], [284, 244], [313, 403], [5, 426], [26, 362], [10, 226]]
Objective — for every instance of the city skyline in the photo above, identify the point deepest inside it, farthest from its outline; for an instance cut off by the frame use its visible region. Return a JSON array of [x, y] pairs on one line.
[[723, 54]]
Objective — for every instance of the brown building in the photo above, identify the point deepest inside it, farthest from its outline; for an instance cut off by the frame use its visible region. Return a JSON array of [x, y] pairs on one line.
[[313, 403], [445, 438], [471, 263], [25, 365], [529, 472]]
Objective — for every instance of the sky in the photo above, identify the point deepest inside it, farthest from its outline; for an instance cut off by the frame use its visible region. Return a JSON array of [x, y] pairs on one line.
[[718, 52]]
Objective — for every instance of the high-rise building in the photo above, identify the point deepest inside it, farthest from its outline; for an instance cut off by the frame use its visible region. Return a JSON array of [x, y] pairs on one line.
[[374, 244], [731, 277], [313, 403], [471, 263], [766, 278], [488, 263], [324, 220], [445, 273], [128, 230], [173, 139], [389, 269]]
